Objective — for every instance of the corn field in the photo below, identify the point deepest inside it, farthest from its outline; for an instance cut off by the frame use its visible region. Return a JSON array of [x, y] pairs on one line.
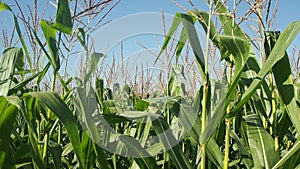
[[250, 118]]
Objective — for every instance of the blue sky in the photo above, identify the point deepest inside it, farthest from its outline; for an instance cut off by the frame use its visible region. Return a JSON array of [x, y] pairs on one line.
[[288, 10], [132, 18], [144, 18]]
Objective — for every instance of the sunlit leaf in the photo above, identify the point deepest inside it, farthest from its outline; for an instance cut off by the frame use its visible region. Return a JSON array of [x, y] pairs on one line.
[[260, 142], [8, 62], [63, 21], [284, 79], [50, 35], [7, 119], [61, 110], [277, 53]]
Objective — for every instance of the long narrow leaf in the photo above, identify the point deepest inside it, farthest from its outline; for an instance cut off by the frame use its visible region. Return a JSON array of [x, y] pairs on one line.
[[284, 80], [61, 110], [288, 155], [176, 22], [63, 21], [168, 140], [22, 83], [50, 35], [29, 115], [276, 55], [7, 119], [261, 143], [228, 23], [189, 27], [8, 61], [203, 18]]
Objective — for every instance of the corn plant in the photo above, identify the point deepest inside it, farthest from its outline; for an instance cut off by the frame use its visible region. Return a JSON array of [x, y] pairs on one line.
[[254, 108], [250, 119]]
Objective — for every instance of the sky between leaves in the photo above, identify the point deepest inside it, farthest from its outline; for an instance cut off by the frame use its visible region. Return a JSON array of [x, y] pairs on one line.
[[142, 29]]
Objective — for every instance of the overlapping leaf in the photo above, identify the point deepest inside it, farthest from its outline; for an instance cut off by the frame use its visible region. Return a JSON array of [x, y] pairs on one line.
[[7, 119], [277, 53], [61, 110], [261, 143], [11, 58]]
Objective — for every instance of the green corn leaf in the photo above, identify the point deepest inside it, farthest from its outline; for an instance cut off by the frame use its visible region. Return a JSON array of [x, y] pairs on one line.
[[243, 150], [146, 161], [181, 43], [190, 34], [34, 150], [188, 24], [61, 110], [214, 122], [168, 141], [81, 38], [22, 84], [94, 60], [43, 73], [228, 23], [229, 26], [100, 154], [55, 151], [30, 117], [297, 89], [261, 143], [145, 131], [85, 102], [87, 150], [7, 119], [50, 35], [64, 83], [203, 18], [240, 49], [284, 80], [293, 161], [10, 58], [49, 56], [4, 6], [217, 113], [176, 22], [63, 21], [293, 152], [141, 105], [22, 155], [214, 153], [249, 74], [175, 87], [276, 55], [100, 90]]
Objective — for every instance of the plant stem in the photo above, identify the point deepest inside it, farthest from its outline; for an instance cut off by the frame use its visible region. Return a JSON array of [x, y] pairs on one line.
[[47, 135], [227, 122], [274, 129], [52, 89], [226, 156], [205, 89], [204, 111]]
